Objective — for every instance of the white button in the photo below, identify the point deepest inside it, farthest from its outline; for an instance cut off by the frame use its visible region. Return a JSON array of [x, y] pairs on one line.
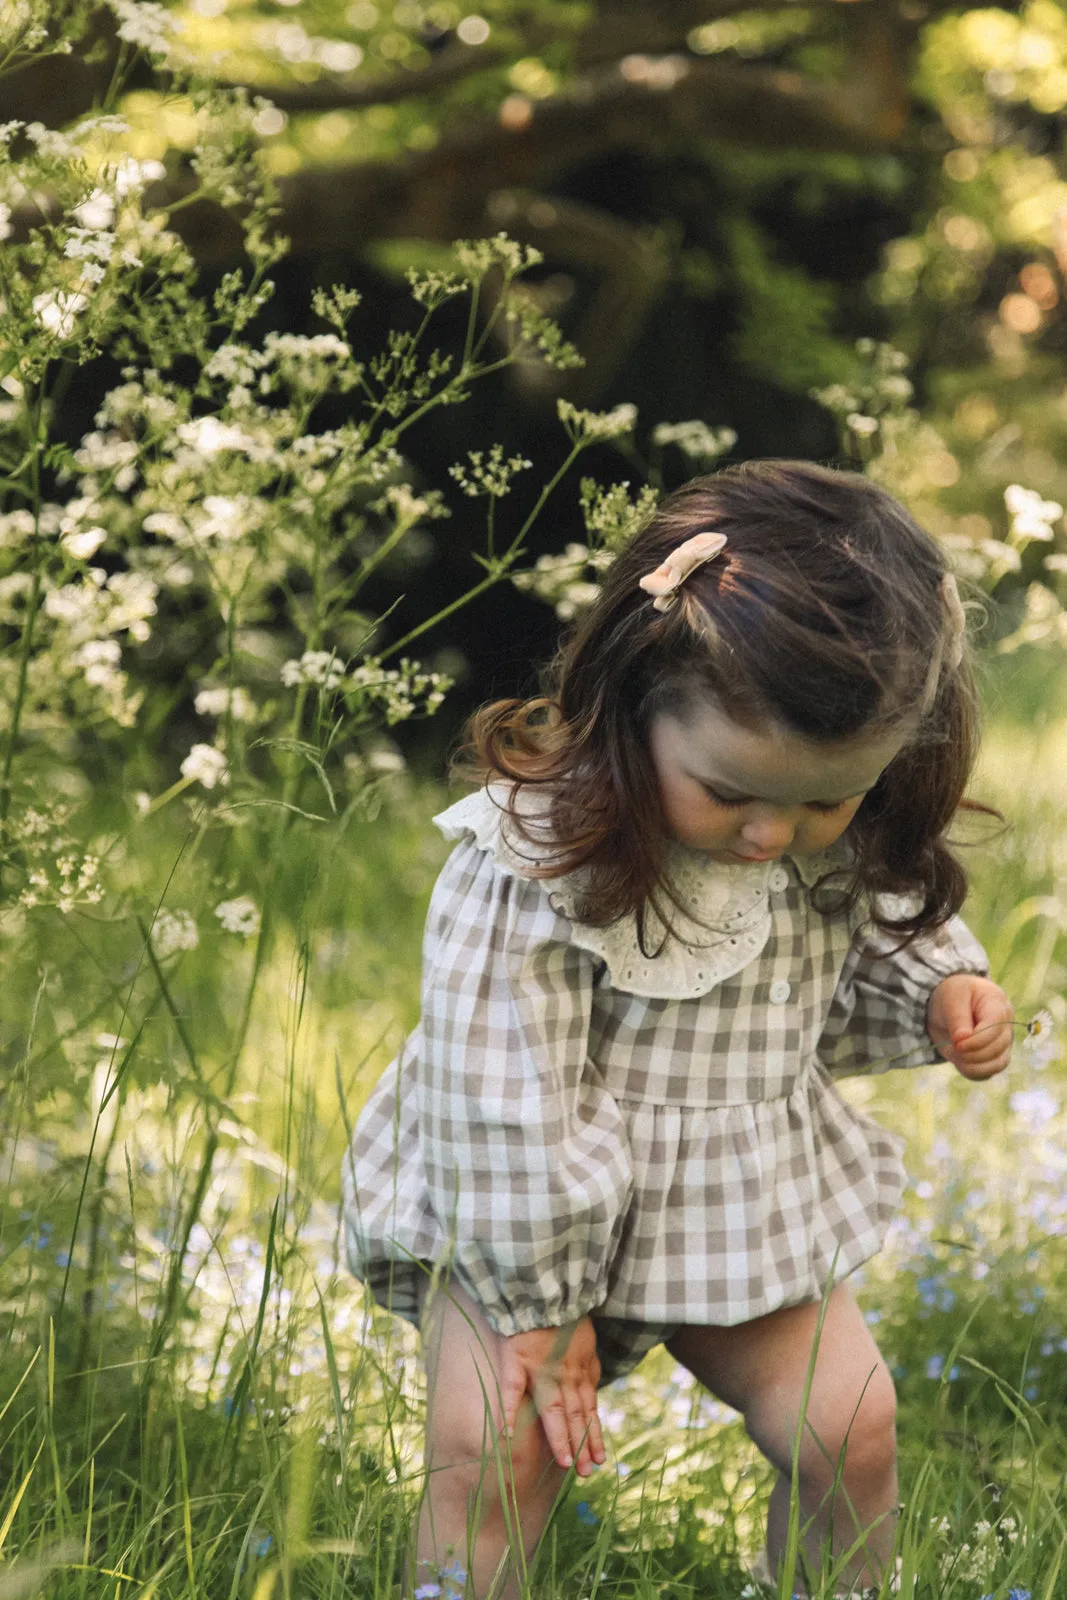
[[779, 879], [779, 992]]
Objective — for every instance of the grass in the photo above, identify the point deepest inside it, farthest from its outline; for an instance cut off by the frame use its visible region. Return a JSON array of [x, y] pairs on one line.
[[195, 1401]]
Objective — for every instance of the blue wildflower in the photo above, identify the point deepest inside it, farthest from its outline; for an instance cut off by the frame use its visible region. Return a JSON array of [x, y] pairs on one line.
[[585, 1514], [262, 1546], [1018, 1594], [62, 1258], [427, 1591], [935, 1367]]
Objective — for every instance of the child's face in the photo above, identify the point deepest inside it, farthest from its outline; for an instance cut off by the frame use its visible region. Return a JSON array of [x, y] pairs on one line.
[[745, 795]]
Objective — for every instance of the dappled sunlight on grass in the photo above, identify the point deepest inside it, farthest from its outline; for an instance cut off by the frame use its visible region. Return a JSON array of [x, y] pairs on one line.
[[279, 1420]]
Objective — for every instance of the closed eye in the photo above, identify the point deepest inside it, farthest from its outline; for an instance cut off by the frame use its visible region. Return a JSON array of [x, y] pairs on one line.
[[723, 799], [734, 802]]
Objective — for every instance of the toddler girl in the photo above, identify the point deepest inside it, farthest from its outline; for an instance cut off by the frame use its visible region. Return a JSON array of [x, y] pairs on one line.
[[706, 876]]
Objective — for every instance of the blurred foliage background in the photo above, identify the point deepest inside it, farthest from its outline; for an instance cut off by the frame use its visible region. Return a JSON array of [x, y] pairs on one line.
[[727, 197]]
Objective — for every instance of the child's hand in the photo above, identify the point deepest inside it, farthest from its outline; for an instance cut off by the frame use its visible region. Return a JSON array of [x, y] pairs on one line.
[[969, 1019], [558, 1368]]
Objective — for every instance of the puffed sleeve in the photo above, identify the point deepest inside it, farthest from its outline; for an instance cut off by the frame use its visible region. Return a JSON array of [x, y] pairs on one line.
[[877, 1018], [526, 1157]]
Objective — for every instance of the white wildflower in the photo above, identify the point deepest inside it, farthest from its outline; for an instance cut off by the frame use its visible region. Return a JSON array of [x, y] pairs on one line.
[[1031, 517], [109, 452], [479, 256], [398, 691], [560, 581], [78, 883], [207, 436], [234, 363], [84, 543], [132, 598], [173, 931], [236, 703], [15, 527], [1041, 1045], [146, 24], [611, 517], [83, 244], [168, 525], [225, 517], [206, 765], [314, 666], [57, 312], [695, 439], [385, 759], [431, 289], [596, 424], [130, 175], [862, 426], [51, 144], [98, 660], [488, 475], [239, 916], [6, 229], [97, 212]]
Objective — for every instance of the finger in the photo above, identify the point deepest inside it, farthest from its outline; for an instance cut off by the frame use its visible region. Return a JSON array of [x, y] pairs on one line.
[[987, 1044], [979, 1074], [513, 1386], [594, 1452], [578, 1426], [549, 1403]]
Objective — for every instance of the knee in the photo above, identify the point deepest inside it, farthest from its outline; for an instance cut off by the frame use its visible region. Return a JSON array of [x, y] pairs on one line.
[[854, 1431], [479, 1459]]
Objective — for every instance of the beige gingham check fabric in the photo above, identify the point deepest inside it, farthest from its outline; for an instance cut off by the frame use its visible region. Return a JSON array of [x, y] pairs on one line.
[[566, 1147]]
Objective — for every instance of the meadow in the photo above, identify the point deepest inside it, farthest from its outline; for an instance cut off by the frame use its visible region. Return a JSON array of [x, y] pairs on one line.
[[204, 973], [197, 1401]]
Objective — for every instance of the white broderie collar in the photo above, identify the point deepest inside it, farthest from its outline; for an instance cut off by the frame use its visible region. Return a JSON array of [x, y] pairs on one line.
[[724, 924]]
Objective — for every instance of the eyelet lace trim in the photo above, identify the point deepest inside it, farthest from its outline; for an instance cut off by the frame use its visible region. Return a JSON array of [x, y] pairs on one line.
[[724, 922]]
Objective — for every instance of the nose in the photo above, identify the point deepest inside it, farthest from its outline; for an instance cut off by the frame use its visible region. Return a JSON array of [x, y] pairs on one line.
[[769, 831]]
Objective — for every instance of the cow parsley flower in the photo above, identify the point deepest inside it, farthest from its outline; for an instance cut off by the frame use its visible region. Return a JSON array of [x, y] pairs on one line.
[[57, 312], [146, 24], [221, 702], [208, 436], [130, 176], [314, 666], [97, 211], [488, 475], [580, 425], [1031, 517], [695, 439], [239, 916], [83, 543], [206, 765], [173, 931]]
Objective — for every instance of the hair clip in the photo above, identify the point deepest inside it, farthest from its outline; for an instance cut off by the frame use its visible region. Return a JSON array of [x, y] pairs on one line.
[[675, 568], [957, 621]]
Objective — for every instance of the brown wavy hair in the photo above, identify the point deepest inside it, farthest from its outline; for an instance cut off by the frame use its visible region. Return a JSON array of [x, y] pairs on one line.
[[822, 616]]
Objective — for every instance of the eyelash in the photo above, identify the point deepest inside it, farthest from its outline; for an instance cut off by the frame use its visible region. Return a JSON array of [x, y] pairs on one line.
[[823, 807]]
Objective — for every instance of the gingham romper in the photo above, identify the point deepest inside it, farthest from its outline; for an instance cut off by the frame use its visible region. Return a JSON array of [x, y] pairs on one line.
[[574, 1128]]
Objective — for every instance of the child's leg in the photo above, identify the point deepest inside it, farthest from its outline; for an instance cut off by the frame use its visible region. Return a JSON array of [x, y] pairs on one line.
[[761, 1368], [484, 1496]]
